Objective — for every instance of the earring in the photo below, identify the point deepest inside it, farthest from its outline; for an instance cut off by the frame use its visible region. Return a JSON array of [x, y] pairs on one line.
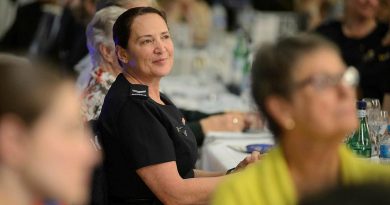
[[290, 124]]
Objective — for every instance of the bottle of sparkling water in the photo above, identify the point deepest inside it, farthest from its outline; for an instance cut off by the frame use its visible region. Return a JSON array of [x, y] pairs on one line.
[[360, 142], [384, 146]]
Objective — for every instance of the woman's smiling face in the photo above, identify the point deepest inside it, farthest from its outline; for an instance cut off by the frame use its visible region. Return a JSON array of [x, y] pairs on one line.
[[150, 47]]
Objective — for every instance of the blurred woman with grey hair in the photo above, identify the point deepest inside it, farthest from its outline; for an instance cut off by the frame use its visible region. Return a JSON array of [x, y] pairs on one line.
[[105, 64]]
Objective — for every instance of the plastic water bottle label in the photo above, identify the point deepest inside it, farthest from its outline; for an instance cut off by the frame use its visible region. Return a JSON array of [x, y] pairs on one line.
[[384, 151]]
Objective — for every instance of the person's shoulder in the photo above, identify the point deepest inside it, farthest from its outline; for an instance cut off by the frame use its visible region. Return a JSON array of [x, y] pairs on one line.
[[239, 188], [122, 89], [357, 169], [331, 24], [255, 173], [329, 28], [265, 181], [138, 92], [382, 28], [383, 25], [117, 95], [374, 170]]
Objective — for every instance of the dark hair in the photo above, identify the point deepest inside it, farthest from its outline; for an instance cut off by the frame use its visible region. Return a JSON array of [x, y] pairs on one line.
[[273, 67], [26, 89], [122, 27]]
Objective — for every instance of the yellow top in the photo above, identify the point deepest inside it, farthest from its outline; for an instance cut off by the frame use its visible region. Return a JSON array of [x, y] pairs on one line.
[[269, 182]]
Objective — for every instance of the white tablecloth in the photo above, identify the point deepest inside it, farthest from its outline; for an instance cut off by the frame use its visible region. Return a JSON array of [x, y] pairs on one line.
[[217, 154]]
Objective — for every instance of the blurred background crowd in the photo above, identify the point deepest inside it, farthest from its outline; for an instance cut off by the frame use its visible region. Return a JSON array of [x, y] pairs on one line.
[[215, 36], [210, 82]]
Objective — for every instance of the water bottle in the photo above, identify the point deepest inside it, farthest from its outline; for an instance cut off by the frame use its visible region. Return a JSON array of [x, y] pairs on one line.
[[360, 142], [241, 61], [219, 17], [384, 146]]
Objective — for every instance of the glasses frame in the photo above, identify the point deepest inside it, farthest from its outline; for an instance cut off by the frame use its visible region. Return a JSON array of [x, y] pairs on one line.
[[320, 82]]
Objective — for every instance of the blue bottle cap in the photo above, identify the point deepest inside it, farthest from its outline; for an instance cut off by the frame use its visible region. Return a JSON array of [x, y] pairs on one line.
[[361, 105]]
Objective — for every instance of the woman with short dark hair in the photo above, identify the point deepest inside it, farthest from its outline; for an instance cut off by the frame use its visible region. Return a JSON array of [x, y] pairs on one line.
[[150, 152]]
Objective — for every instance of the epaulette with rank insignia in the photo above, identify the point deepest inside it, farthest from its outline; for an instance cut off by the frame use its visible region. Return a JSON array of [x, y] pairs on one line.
[[140, 91]]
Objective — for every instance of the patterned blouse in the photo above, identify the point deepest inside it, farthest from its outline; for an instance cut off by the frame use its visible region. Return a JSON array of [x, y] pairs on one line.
[[93, 95]]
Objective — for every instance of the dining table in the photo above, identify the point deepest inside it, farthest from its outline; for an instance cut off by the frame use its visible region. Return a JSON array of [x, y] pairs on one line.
[[222, 151]]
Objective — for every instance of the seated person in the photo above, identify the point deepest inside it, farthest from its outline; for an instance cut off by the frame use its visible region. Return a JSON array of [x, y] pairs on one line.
[[310, 110], [150, 152], [106, 68], [359, 36]]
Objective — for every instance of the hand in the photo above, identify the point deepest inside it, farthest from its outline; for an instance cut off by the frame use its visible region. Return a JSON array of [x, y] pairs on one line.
[[255, 156], [231, 122], [386, 40], [253, 121]]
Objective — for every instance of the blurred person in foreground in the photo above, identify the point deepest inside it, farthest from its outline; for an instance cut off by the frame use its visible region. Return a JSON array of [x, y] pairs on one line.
[[44, 150], [307, 94], [360, 37], [150, 152], [106, 68]]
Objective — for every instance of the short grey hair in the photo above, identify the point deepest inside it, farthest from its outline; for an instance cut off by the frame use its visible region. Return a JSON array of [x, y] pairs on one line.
[[99, 31]]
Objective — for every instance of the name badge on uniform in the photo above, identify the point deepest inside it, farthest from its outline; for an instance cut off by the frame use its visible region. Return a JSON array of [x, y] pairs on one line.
[[139, 91]]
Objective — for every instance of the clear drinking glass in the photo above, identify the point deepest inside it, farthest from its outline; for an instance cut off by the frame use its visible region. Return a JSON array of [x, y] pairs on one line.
[[383, 121], [373, 115]]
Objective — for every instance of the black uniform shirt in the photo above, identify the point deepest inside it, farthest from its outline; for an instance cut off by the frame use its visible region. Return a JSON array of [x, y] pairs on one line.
[[367, 54], [136, 132]]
